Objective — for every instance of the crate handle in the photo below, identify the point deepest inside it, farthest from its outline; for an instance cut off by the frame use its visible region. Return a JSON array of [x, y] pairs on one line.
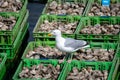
[[62, 15], [104, 16]]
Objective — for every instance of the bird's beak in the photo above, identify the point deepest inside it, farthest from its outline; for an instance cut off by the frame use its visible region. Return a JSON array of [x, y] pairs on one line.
[[49, 34]]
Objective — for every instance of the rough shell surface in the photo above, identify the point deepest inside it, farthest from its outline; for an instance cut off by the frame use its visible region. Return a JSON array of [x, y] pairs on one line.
[[10, 5], [7, 23], [40, 71], [65, 8], [94, 54], [87, 74], [45, 52], [99, 10], [101, 29], [64, 27]]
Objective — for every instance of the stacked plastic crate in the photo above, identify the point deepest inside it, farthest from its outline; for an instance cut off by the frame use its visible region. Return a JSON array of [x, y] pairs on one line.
[[3, 58], [107, 17], [13, 27], [116, 72], [96, 62]]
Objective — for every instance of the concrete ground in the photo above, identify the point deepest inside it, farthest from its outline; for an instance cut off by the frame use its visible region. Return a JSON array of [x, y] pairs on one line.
[[35, 10]]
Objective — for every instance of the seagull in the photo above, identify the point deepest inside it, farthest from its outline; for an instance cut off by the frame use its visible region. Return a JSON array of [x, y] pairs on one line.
[[67, 45]]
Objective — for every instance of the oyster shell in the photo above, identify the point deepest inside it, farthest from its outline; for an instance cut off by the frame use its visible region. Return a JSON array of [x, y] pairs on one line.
[[64, 27], [40, 71], [10, 5], [7, 23], [98, 10], [87, 74], [94, 55], [66, 8], [45, 52], [101, 29]]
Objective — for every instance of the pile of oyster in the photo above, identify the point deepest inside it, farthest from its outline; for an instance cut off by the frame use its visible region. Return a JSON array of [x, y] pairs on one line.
[[101, 29], [64, 27], [10, 5], [45, 52], [65, 8], [48, 72], [94, 54], [7, 23], [98, 10], [87, 74]]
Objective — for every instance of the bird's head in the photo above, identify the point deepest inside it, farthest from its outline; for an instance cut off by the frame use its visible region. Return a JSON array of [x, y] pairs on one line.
[[55, 33]]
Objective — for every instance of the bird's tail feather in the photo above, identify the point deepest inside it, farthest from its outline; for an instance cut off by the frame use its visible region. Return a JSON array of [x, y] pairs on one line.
[[87, 46]]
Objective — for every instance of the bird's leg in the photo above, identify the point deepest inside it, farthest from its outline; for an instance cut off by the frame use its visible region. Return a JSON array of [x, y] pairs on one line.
[[62, 60], [69, 56]]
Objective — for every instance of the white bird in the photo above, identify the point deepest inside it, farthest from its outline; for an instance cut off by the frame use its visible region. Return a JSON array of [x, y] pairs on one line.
[[68, 45]]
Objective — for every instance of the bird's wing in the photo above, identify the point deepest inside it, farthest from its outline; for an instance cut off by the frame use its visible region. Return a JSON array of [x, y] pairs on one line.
[[75, 44]]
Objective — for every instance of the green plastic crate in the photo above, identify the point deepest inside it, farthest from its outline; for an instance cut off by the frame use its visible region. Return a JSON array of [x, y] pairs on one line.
[[29, 63], [4, 58], [2, 73], [33, 45], [22, 11], [13, 53], [63, 1], [116, 68], [86, 21], [44, 35], [91, 2], [8, 37], [95, 66], [118, 77], [2, 65], [107, 46], [12, 49]]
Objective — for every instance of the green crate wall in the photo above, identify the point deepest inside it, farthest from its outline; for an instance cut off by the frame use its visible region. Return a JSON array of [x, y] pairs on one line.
[[21, 27], [63, 1], [95, 66], [44, 35], [22, 11], [8, 37], [96, 45], [32, 45], [87, 21], [10, 50], [14, 52], [4, 58], [29, 63], [2, 65], [116, 70], [89, 6]]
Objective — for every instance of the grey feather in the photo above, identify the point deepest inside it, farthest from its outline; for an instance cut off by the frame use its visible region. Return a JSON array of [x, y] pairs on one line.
[[69, 42]]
